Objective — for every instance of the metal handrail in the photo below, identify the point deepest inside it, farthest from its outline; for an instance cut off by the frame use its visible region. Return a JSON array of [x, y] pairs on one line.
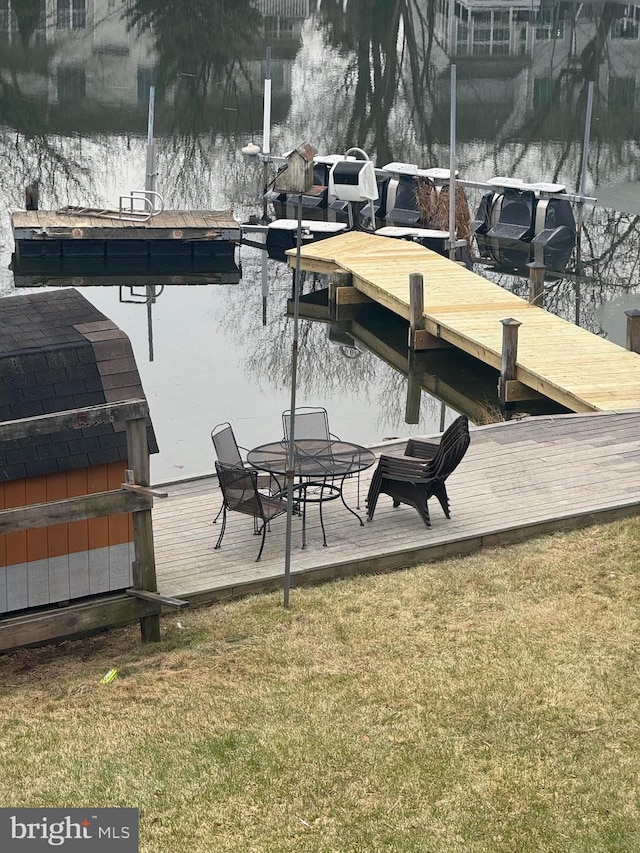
[[130, 214]]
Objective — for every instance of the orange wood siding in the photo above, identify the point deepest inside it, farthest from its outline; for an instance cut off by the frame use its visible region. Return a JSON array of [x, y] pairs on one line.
[[36, 493], [60, 539], [98, 481], [78, 530], [15, 494], [3, 539], [118, 524]]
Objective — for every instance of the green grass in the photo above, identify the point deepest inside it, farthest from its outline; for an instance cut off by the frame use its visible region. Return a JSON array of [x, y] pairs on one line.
[[476, 705]]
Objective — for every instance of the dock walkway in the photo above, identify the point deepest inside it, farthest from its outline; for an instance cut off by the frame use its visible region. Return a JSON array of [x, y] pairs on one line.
[[518, 479], [559, 360]]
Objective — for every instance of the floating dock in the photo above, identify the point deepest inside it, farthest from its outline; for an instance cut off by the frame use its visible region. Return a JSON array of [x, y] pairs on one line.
[[561, 361], [184, 235]]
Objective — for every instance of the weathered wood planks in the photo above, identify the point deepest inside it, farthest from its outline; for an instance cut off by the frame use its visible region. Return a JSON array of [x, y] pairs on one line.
[[518, 479]]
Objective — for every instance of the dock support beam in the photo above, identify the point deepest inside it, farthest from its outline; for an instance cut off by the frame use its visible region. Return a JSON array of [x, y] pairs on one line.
[[416, 307], [508, 369], [633, 329], [536, 283]]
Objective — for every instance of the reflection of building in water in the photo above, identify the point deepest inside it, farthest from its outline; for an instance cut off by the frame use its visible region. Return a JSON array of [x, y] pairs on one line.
[[74, 51], [283, 19], [515, 58], [83, 50]]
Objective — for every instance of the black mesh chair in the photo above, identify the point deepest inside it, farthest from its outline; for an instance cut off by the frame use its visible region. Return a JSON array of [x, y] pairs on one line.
[[313, 422], [240, 493], [310, 422], [228, 453], [413, 479]]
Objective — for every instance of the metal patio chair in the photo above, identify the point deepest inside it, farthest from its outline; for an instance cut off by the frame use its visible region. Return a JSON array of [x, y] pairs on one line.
[[310, 422], [313, 422], [240, 493], [228, 453], [413, 480]]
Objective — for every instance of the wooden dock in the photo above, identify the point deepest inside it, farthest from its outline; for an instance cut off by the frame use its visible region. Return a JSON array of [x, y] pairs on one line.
[[557, 359], [171, 233], [518, 479]]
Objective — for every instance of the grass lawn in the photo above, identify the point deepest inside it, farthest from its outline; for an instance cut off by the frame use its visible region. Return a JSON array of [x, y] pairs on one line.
[[475, 705]]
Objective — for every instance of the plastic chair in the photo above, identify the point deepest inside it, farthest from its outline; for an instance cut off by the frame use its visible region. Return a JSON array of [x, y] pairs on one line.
[[240, 493]]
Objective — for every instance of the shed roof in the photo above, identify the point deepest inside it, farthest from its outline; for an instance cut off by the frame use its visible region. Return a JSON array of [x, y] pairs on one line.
[[58, 352]]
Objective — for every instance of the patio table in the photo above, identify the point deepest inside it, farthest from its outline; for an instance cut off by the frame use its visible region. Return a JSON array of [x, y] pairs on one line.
[[321, 465]]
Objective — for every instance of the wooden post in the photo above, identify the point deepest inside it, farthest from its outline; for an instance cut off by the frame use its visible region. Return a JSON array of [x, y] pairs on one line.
[[536, 283], [31, 196], [633, 329], [509, 355], [144, 565], [338, 279], [416, 307], [414, 389]]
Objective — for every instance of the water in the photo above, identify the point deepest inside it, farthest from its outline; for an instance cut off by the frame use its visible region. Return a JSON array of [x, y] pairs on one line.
[[373, 73]]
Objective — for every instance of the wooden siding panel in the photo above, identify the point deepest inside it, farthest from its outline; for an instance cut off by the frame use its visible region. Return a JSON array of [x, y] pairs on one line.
[[36, 493], [3, 539], [57, 534], [118, 524], [16, 543], [78, 530]]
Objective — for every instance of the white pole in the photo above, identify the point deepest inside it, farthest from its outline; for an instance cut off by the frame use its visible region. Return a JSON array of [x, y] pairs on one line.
[[266, 109], [452, 167], [266, 132], [150, 178]]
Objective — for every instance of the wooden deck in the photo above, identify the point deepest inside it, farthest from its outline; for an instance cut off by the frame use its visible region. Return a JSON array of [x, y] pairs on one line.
[[518, 479], [561, 361]]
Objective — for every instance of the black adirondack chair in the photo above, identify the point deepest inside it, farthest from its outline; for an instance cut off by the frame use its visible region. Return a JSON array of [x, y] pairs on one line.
[[413, 479], [240, 493]]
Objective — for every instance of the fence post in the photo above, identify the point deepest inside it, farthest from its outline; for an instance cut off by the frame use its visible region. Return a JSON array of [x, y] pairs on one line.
[[509, 355], [144, 565], [633, 329]]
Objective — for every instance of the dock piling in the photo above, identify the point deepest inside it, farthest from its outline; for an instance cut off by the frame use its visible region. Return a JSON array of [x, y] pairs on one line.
[[536, 283], [416, 307], [633, 329], [509, 355]]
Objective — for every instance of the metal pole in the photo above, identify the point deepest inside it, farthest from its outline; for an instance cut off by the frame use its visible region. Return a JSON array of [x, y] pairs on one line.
[[150, 178], [265, 282], [266, 132], [583, 175], [294, 372], [452, 167]]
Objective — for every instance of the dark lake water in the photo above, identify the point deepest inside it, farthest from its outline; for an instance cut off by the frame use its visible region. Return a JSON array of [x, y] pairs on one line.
[[370, 73]]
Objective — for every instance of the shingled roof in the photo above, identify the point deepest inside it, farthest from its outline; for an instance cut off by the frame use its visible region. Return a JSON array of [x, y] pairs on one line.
[[58, 352]]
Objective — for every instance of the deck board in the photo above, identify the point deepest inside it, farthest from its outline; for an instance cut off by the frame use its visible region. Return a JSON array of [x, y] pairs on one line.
[[560, 360], [518, 479], [167, 225]]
